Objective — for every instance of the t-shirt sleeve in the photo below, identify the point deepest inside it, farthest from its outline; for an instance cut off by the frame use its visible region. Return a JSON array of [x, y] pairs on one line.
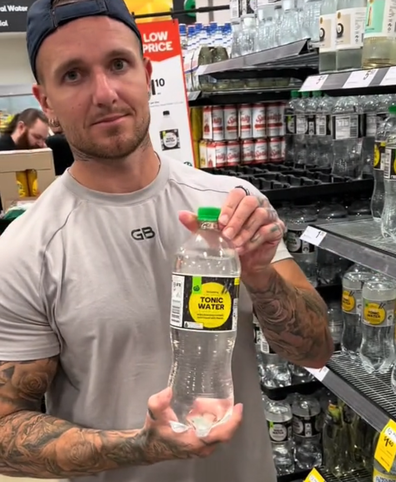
[[25, 332]]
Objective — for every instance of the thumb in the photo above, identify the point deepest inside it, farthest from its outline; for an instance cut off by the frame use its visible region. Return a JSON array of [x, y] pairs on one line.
[[159, 409], [189, 220]]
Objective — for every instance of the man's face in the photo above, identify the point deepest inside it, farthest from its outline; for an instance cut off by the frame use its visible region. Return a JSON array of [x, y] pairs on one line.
[[96, 84], [32, 137]]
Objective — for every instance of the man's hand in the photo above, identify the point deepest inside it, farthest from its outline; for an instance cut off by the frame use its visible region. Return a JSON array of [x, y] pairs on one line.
[[162, 443], [251, 224]]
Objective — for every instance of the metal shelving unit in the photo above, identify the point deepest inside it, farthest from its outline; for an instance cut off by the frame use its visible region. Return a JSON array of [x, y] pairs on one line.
[[358, 476]]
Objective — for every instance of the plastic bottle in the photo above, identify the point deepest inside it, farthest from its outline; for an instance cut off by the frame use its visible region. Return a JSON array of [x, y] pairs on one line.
[[379, 42], [388, 217], [328, 33], [290, 123], [352, 285], [324, 137], [378, 197], [204, 311], [170, 137], [300, 148], [312, 15], [351, 16], [276, 369], [280, 428], [311, 107], [377, 349]]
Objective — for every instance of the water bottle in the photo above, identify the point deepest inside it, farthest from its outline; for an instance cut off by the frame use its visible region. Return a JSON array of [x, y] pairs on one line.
[[377, 349], [279, 420], [306, 431], [352, 285], [276, 369], [388, 218], [204, 311], [323, 124]]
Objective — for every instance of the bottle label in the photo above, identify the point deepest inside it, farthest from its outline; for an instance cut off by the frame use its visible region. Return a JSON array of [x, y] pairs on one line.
[[170, 139], [379, 155], [323, 125], [280, 432], [346, 127], [380, 19], [383, 476], [204, 303], [378, 314], [296, 245], [390, 164], [348, 415], [352, 302], [371, 125], [290, 122], [350, 28], [264, 345], [301, 125], [306, 426], [327, 33], [311, 124], [381, 118]]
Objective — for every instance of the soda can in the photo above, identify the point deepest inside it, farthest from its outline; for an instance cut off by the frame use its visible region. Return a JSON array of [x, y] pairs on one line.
[[275, 149], [203, 155], [233, 153], [258, 121], [230, 123], [260, 151], [221, 153], [211, 154], [218, 123], [247, 151], [283, 149], [245, 121], [282, 120], [207, 123], [273, 119]]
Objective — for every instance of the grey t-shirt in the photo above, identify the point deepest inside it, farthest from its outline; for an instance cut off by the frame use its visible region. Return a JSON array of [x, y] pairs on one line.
[[87, 275]]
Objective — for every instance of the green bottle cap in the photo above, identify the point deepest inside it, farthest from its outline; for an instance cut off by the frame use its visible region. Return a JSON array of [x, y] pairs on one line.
[[392, 109], [305, 94], [317, 93], [294, 94], [208, 214]]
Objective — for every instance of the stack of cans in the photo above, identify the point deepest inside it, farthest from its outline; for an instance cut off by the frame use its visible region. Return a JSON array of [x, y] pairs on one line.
[[242, 134]]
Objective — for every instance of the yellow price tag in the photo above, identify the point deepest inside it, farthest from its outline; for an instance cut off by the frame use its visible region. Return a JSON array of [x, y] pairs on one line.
[[385, 452], [314, 476]]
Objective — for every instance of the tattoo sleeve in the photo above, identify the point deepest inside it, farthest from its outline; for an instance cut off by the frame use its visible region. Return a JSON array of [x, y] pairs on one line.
[[293, 320], [41, 446]]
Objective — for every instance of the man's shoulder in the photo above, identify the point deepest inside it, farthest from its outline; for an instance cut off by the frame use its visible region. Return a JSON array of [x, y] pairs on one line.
[[189, 178], [33, 230]]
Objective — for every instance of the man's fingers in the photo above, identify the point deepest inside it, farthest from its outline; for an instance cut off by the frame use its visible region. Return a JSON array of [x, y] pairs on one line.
[[189, 220], [231, 204], [224, 431], [270, 235], [261, 217], [159, 409]]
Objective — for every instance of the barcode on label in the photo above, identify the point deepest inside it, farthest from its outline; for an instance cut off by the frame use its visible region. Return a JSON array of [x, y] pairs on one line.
[[320, 125], [354, 128], [176, 313], [387, 164], [234, 9], [264, 347]]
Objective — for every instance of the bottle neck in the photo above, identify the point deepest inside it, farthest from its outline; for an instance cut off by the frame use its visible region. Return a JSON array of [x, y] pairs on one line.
[[209, 225]]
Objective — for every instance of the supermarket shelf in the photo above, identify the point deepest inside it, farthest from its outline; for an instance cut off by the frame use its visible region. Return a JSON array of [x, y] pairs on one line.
[[356, 82], [296, 476], [296, 59], [303, 388], [357, 476], [370, 396], [361, 242]]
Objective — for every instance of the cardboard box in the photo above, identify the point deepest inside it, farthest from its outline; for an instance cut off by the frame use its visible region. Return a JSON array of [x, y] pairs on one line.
[[13, 161]]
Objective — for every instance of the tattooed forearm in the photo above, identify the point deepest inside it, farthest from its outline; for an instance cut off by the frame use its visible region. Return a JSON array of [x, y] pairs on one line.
[[41, 446], [293, 320]]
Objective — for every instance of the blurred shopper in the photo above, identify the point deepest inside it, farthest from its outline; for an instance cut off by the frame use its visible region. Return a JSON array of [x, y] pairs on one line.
[[27, 130]]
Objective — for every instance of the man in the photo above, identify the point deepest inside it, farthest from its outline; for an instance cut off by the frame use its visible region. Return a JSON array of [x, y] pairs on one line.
[[61, 152], [84, 309], [27, 130]]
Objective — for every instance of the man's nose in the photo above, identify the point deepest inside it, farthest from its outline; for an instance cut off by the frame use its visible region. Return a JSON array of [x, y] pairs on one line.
[[104, 92]]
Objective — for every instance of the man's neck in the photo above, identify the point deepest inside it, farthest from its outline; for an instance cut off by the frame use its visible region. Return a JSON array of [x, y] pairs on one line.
[[121, 177]]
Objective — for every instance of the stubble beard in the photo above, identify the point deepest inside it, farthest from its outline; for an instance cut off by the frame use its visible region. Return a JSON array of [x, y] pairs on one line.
[[121, 146]]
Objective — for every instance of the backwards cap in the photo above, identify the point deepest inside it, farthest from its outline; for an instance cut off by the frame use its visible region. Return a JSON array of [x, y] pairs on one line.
[[43, 19]]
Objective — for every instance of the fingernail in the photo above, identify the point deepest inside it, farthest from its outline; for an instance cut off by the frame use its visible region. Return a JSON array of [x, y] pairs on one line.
[[274, 228], [229, 233], [223, 219], [255, 238]]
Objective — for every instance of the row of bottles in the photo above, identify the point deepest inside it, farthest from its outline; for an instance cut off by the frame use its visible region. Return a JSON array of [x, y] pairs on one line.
[[335, 132]]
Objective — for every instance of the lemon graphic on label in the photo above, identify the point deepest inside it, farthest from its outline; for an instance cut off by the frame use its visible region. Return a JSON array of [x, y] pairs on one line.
[[377, 156], [348, 301], [374, 313], [211, 307]]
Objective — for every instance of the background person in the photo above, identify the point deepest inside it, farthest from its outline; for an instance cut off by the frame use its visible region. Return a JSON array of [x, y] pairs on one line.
[[61, 152], [27, 130]]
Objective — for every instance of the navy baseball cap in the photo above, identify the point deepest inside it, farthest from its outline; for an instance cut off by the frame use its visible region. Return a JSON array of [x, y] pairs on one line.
[[43, 19]]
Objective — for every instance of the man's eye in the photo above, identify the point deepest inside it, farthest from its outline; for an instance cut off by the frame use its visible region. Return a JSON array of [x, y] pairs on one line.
[[71, 76], [119, 64]]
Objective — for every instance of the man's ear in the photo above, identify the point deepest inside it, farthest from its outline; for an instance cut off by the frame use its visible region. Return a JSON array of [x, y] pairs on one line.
[[149, 70], [41, 96]]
